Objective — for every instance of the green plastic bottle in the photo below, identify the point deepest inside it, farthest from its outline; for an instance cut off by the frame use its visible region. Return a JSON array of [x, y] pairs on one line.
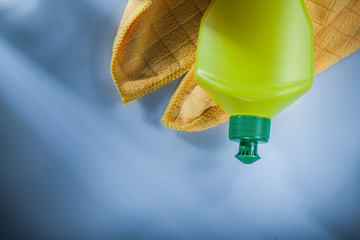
[[254, 58]]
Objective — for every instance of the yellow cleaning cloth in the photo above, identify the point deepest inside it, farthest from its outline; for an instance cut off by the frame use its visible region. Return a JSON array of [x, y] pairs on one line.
[[156, 43]]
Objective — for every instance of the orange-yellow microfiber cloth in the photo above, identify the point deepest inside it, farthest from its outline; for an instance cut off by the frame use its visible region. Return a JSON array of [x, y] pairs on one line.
[[156, 43]]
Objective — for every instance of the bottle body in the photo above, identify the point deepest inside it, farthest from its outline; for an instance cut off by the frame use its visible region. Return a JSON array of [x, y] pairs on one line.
[[255, 58]]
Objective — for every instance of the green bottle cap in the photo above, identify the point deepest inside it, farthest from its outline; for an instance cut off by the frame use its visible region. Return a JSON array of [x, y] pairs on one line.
[[249, 131]]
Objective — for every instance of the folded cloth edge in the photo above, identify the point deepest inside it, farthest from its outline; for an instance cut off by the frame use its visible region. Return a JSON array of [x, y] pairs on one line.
[[122, 33], [213, 116]]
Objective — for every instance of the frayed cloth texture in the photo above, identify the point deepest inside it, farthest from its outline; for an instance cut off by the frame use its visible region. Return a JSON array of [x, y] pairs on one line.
[[156, 43]]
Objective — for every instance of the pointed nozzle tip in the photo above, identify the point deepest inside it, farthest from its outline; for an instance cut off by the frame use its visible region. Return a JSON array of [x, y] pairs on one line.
[[248, 152], [247, 159]]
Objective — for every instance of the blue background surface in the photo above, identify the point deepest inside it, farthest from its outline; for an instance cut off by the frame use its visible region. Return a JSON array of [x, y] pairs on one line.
[[77, 164]]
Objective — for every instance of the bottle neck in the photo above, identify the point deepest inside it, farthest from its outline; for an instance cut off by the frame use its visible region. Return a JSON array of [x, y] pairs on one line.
[[249, 131]]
